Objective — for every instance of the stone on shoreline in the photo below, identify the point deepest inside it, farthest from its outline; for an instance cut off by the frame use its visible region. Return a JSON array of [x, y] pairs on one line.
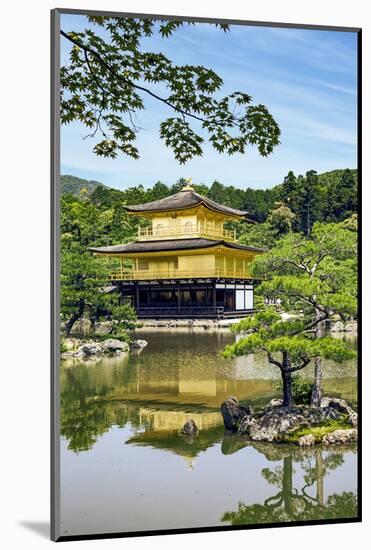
[[280, 421], [337, 404], [245, 425], [114, 346], [306, 440], [341, 436], [233, 413], [111, 346], [89, 349]]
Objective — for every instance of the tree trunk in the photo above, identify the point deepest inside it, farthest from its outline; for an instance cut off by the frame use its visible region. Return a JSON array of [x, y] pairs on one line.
[[286, 380], [75, 316], [316, 392], [287, 485], [286, 388], [319, 477]]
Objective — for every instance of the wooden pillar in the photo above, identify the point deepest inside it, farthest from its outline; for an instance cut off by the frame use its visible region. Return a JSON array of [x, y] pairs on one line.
[[136, 296], [214, 296], [178, 297]]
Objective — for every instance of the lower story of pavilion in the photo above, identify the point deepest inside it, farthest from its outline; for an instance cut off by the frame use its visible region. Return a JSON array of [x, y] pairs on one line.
[[189, 298]]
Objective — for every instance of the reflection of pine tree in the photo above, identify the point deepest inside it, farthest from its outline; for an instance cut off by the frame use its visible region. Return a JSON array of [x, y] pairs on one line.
[[292, 504], [84, 418]]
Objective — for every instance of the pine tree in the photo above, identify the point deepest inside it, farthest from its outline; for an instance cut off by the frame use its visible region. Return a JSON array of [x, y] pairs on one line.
[[314, 278]]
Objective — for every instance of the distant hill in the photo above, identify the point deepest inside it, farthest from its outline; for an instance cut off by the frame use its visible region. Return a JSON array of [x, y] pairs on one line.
[[73, 185], [335, 175]]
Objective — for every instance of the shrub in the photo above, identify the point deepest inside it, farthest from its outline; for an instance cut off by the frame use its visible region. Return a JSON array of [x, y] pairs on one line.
[[301, 390], [63, 347]]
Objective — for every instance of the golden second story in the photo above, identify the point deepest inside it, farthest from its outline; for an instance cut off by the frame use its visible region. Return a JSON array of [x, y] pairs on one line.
[[186, 215], [195, 223], [179, 259]]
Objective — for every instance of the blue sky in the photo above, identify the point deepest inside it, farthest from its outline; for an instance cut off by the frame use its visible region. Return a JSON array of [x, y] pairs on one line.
[[306, 78]]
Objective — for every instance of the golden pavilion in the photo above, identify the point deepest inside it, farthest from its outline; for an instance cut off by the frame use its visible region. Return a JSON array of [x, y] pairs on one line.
[[186, 264]]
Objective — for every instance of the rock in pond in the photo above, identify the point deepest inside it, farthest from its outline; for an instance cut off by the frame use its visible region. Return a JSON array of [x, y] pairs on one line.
[[189, 428], [233, 413], [245, 424], [341, 436], [306, 440], [89, 349], [138, 344], [114, 346]]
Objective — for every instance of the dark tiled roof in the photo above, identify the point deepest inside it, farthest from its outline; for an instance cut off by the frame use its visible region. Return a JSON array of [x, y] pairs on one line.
[[181, 200], [172, 245]]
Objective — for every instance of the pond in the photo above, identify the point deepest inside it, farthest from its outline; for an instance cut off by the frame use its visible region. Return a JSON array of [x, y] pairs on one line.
[[125, 468]]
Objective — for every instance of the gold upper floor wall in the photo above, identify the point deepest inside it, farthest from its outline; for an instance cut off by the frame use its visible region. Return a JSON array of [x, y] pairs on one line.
[[189, 223], [201, 263]]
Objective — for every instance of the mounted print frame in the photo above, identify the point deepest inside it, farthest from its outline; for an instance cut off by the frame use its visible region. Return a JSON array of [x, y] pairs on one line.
[[206, 321]]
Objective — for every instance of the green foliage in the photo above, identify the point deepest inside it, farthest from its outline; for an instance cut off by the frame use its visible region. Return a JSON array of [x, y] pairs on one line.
[[96, 220], [110, 74], [260, 204], [315, 278], [124, 317], [342, 197], [261, 235], [301, 390], [319, 272], [62, 346], [266, 331], [330, 197], [281, 219]]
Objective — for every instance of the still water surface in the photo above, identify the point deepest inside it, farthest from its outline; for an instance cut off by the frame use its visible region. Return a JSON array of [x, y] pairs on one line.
[[125, 468]]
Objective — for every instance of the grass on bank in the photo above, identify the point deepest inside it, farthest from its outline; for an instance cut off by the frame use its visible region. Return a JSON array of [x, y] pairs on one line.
[[318, 431]]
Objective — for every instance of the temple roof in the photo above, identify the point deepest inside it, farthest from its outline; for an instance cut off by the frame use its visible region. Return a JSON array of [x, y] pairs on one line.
[[171, 245], [186, 198]]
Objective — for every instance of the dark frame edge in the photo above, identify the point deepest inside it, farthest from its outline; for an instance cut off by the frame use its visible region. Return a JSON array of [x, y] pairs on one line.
[[54, 275], [216, 529], [359, 305], [108, 13]]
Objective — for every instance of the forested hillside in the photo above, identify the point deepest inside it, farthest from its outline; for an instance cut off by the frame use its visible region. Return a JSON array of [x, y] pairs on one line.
[[331, 196], [73, 185]]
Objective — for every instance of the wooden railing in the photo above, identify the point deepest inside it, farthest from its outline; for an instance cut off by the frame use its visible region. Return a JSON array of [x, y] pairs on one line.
[[185, 231], [190, 312], [149, 275]]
